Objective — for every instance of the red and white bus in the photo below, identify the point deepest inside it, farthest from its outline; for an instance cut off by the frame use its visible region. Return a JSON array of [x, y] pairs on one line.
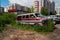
[[30, 18]]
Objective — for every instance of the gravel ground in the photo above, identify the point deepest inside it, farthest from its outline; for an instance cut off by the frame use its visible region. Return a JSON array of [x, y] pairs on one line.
[[55, 35], [15, 34]]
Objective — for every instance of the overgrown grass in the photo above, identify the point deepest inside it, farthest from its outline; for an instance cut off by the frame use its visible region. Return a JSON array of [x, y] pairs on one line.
[[6, 19], [10, 19], [37, 28]]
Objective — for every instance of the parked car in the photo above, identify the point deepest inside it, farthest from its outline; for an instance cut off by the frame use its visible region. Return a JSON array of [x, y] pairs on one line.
[[56, 18], [52, 17], [31, 18]]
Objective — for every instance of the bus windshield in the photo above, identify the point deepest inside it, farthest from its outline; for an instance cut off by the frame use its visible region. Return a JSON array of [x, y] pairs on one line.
[[38, 15]]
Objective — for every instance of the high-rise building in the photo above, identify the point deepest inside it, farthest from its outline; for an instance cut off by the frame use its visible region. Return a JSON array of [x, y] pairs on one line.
[[36, 6], [58, 10], [1, 10], [44, 3], [14, 7], [0, 3], [49, 4], [52, 7]]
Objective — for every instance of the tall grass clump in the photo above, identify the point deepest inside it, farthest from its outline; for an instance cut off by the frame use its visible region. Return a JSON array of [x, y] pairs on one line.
[[6, 18], [10, 18], [37, 28]]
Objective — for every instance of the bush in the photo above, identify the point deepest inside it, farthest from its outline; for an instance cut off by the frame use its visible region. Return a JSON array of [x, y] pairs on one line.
[[6, 19], [44, 11], [1, 23], [10, 19], [45, 28]]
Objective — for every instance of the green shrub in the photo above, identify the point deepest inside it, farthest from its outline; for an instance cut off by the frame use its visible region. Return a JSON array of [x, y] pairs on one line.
[[6, 19], [10, 19], [37, 28], [1, 23], [45, 28], [48, 27]]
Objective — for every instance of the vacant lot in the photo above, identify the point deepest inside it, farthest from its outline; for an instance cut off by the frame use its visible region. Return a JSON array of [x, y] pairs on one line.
[[15, 34]]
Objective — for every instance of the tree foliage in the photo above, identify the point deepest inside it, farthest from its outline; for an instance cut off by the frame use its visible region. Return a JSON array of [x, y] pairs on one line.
[[55, 12], [6, 18], [37, 28], [31, 10], [44, 11]]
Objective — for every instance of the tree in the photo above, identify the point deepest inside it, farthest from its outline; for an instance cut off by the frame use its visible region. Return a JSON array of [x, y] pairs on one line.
[[55, 12], [31, 10], [44, 11]]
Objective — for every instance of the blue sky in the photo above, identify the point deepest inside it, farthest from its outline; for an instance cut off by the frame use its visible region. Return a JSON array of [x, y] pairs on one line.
[[5, 3], [57, 2]]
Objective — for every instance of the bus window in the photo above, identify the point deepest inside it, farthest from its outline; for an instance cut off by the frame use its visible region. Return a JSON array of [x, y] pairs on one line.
[[24, 16], [32, 16], [27, 16], [19, 18]]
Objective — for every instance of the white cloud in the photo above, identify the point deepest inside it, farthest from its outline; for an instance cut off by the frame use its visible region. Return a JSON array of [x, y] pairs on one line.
[[22, 2], [30, 2], [57, 3]]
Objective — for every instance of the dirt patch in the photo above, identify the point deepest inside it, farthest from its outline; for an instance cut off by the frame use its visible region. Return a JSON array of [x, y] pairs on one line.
[[55, 35], [15, 34]]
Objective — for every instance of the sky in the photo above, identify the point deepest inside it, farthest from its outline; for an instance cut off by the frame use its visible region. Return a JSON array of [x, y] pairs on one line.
[[28, 3]]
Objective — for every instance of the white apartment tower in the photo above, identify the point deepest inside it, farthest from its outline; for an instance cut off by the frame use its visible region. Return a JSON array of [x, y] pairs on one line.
[[49, 4], [36, 6]]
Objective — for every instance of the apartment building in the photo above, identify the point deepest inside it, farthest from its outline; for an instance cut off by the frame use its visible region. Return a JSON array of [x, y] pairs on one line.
[[1, 10], [14, 7], [49, 4], [36, 6]]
